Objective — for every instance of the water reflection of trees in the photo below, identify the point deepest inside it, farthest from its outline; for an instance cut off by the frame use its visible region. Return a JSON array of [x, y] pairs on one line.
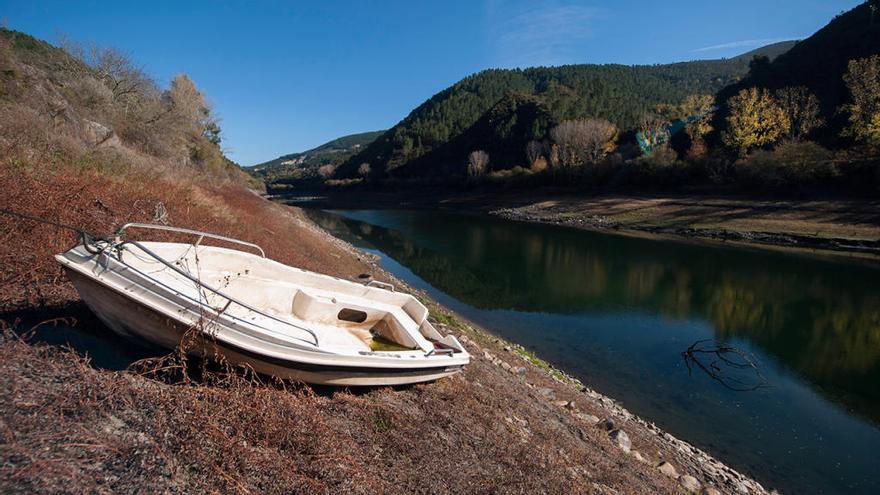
[[821, 319]]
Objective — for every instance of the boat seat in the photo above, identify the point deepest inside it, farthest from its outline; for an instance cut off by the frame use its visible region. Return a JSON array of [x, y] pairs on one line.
[[392, 322], [328, 337]]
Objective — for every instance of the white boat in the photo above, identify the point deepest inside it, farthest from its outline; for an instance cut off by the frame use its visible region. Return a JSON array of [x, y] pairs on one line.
[[280, 320]]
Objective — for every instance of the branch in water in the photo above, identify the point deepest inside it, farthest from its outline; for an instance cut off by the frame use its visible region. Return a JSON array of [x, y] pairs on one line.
[[717, 359]]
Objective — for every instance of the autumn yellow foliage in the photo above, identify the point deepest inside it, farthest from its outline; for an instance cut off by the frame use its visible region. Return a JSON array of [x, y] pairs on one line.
[[873, 131], [863, 81], [755, 120]]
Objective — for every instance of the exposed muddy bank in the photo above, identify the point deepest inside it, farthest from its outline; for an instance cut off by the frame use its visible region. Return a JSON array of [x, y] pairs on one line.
[[538, 214]]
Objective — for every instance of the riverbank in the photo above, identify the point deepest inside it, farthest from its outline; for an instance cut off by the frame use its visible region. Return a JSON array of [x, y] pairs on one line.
[[509, 423], [847, 227], [831, 226]]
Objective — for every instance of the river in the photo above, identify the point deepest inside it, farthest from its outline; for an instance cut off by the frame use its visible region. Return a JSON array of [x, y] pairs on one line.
[[618, 312]]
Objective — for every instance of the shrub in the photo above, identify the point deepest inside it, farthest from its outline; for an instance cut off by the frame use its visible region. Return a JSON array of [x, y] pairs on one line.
[[660, 167], [539, 164], [792, 163]]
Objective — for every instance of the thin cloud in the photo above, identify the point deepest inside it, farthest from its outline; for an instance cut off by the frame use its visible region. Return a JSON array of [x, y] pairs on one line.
[[538, 33], [741, 44]]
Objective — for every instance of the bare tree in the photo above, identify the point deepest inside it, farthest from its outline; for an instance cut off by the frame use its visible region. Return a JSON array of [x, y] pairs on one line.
[[583, 141], [478, 162], [116, 70], [326, 171], [364, 170], [110, 66]]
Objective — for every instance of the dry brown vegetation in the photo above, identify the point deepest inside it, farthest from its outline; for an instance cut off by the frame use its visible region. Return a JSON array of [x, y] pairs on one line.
[[68, 427]]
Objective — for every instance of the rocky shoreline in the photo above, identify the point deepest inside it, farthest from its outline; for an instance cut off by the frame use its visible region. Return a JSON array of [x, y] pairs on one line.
[[617, 420], [695, 470]]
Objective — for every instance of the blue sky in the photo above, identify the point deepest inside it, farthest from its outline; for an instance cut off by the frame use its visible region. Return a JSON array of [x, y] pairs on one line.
[[287, 76]]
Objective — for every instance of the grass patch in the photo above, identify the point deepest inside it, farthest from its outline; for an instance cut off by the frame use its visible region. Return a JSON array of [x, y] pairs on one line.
[[540, 363]]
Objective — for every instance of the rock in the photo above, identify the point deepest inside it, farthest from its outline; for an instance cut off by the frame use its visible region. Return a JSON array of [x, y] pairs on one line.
[[638, 456], [710, 490], [111, 142], [571, 406], [96, 133], [507, 348], [667, 469], [689, 483], [547, 393], [623, 413], [741, 487], [488, 356], [602, 489], [505, 366], [464, 339], [519, 370], [587, 418], [621, 439], [608, 424], [560, 403]]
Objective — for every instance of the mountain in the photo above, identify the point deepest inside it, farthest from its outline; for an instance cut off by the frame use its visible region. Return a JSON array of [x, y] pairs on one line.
[[425, 141], [771, 51], [307, 162], [819, 63]]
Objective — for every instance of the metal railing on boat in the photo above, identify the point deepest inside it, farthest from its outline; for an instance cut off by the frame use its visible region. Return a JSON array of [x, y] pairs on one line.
[[182, 230], [120, 244]]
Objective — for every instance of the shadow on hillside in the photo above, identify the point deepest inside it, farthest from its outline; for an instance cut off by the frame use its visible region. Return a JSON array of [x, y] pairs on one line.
[[75, 327]]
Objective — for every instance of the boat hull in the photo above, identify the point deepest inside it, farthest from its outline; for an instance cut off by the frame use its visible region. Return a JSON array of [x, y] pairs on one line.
[[131, 319]]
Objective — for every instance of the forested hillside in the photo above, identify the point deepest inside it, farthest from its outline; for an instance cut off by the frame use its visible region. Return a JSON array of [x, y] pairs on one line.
[[307, 163], [618, 93]]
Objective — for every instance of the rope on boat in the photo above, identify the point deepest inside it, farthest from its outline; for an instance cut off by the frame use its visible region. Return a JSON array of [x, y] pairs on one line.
[[90, 241], [98, 245]]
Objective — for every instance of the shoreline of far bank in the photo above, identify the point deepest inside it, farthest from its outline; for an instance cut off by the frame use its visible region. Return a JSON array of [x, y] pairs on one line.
[[833, 227]]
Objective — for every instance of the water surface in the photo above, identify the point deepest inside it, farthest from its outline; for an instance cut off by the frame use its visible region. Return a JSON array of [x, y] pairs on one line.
[[617, 312]]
